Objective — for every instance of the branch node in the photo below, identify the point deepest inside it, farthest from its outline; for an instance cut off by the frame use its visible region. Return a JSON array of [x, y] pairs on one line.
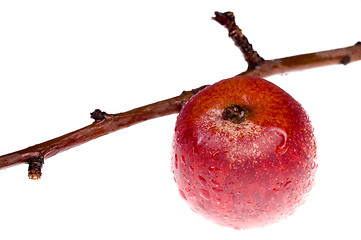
[[192, 92], [346, 60], [35, 165], [98, 115]]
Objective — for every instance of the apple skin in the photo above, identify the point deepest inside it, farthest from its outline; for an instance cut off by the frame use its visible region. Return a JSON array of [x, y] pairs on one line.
[[247, 174]]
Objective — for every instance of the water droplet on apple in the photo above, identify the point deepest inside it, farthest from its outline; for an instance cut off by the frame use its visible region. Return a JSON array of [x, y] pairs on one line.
[[213, 170], [176, 161], [202, 180], [204, 193], [283, 144], [287, 184], [194, 209], [217, 190], [215, 183], [183, 159], [201, 205], [182, 194], [313, 165]]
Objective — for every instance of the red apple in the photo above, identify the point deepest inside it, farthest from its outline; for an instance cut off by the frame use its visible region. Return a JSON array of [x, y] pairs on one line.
[[244, 153]]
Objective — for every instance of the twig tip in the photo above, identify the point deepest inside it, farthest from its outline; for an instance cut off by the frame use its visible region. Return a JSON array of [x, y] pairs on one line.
[[34, 170], [223, 18]]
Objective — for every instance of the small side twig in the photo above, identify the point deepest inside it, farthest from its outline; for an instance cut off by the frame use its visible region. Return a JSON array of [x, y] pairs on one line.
[[227, 19], [35, 165]]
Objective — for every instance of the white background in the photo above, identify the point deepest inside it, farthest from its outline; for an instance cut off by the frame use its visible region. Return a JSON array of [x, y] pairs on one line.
[[59, 60]]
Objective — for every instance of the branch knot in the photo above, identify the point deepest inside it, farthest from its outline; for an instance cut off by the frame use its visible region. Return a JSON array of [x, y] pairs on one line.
[[98, 115]]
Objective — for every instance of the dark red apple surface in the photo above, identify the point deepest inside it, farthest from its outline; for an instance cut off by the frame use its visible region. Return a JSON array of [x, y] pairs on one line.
[[243, 153]]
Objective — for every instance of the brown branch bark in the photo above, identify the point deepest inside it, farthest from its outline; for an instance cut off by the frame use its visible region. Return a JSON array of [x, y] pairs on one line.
[[106, 123]]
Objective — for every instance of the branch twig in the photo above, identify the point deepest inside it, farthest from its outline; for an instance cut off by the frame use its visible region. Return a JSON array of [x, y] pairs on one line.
[[227, 19], [105, 123]]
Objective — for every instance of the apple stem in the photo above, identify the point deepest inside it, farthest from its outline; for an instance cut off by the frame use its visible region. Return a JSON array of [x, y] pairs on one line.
[[234, 113]]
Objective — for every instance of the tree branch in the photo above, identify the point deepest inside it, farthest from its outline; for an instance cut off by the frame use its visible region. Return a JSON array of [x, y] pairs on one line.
[[343, 56], [101, 126], [105, 123]]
